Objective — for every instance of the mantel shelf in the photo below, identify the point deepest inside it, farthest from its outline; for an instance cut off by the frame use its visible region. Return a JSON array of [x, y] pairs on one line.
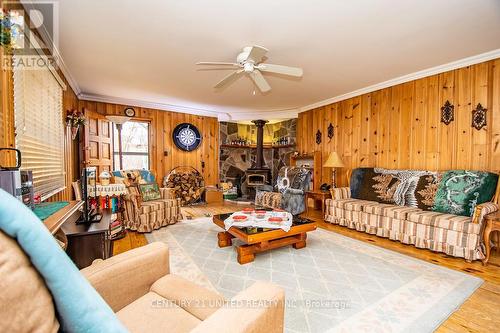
[[266, 146]]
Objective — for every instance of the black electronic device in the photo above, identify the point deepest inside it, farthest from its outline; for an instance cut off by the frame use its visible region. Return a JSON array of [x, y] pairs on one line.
[[16, 182], [89, 196]]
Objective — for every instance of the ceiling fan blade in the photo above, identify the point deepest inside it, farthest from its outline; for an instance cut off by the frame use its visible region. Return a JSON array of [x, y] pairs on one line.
[[210, 63], [280, 69], [228, 79], [260, 81], [256, 54]]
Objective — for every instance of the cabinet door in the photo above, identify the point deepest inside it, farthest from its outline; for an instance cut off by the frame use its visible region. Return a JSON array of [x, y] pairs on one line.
[[97, 142], [83, 249]]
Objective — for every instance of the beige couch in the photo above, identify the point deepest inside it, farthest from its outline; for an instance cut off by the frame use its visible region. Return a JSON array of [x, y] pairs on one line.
[[458, 236], [138, 287]]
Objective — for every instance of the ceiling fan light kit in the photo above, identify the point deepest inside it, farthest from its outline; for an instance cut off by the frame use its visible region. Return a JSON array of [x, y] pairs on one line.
[[251, 62]]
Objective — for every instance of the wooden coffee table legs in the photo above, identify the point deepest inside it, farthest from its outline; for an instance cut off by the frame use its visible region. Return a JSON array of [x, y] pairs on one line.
[[301, 242], [246, 253], [225, 239]]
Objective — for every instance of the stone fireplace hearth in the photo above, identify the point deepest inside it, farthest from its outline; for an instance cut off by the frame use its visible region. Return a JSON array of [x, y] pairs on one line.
[[234, 161]]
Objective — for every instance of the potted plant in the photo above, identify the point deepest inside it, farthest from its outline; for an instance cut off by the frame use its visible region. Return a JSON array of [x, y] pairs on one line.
[[10, 31], [74, 119]]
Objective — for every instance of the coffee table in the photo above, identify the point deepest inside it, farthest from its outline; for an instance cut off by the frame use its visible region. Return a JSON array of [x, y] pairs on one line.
[[258, 239]]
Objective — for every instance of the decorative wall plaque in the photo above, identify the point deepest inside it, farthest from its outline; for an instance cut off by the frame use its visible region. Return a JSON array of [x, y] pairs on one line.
[[318, 137], [479, 117], [186, 137], [447, 113], [330, 131]]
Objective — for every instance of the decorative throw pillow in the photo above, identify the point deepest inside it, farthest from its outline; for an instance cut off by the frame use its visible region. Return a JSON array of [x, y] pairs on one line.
[[373, 185], [426, 189], [358, 184], [412, 188], [149, 191], [460, 191], [79, 307]]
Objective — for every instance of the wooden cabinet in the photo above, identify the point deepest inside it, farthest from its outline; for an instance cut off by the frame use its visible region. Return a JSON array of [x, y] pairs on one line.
[[87, 242]]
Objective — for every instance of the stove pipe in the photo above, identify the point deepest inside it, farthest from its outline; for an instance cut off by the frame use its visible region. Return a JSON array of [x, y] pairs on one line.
[[259, 158]]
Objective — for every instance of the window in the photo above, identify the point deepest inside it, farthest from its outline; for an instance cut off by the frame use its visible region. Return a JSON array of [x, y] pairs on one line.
[[135, 146], [39, 127]]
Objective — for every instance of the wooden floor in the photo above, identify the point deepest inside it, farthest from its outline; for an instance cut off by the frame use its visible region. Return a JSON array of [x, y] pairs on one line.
[[480, 313]]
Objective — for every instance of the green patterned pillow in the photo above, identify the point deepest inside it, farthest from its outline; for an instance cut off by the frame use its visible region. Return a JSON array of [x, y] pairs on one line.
[[461, 190], [149, 191]]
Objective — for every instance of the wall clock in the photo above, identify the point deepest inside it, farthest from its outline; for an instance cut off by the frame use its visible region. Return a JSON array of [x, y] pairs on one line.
[[129, 112], [186, 137]]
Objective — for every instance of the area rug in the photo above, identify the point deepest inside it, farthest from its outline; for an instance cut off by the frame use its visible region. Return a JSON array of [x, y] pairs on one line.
[[335, 284]]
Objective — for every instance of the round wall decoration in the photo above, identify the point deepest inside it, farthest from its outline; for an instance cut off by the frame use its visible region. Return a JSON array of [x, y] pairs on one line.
[[129, 112], [186, 137]]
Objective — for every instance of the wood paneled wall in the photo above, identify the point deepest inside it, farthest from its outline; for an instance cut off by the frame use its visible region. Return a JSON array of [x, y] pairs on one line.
[[399, 127], [164, 155], [70, 102], [6, 112]]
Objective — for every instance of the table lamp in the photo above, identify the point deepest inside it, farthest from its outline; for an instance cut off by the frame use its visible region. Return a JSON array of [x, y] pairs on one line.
[[333, 162]]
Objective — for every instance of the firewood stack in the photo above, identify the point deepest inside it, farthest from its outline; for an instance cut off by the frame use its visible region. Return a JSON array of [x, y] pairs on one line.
[[188, 185]]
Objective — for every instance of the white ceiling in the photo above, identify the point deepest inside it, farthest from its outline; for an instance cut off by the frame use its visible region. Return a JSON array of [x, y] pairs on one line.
[[143, 52]]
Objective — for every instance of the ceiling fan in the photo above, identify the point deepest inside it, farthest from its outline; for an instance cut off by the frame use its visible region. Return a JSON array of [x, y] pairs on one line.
[[250, 62]]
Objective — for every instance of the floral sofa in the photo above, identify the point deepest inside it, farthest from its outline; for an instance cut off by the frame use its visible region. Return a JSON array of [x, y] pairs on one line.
[[292, 184], [439, 211], [146, 216]]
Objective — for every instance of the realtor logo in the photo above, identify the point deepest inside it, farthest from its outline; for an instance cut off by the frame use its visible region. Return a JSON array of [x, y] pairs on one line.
[[29, 33]]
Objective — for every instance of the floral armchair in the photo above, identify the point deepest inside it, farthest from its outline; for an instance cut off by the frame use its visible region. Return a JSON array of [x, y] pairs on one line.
[[291, 184], [146, 216]]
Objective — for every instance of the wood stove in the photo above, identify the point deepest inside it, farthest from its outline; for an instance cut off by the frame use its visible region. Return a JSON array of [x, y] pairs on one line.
[[259, 174]]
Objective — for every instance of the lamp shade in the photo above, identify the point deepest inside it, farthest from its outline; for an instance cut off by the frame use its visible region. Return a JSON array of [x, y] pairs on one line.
[[333, 161], [119, 120]]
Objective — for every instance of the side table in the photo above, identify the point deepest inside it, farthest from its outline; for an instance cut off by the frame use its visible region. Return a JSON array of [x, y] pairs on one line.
[[317, 196], [492, 224]]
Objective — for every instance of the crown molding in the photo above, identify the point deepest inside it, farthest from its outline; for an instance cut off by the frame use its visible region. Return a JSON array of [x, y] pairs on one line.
[[149, 105], [67, 73], [220, 115], [250, 115], [407, 78]]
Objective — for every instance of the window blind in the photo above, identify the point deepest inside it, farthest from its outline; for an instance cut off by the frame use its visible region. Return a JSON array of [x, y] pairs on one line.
[[39, 128]]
